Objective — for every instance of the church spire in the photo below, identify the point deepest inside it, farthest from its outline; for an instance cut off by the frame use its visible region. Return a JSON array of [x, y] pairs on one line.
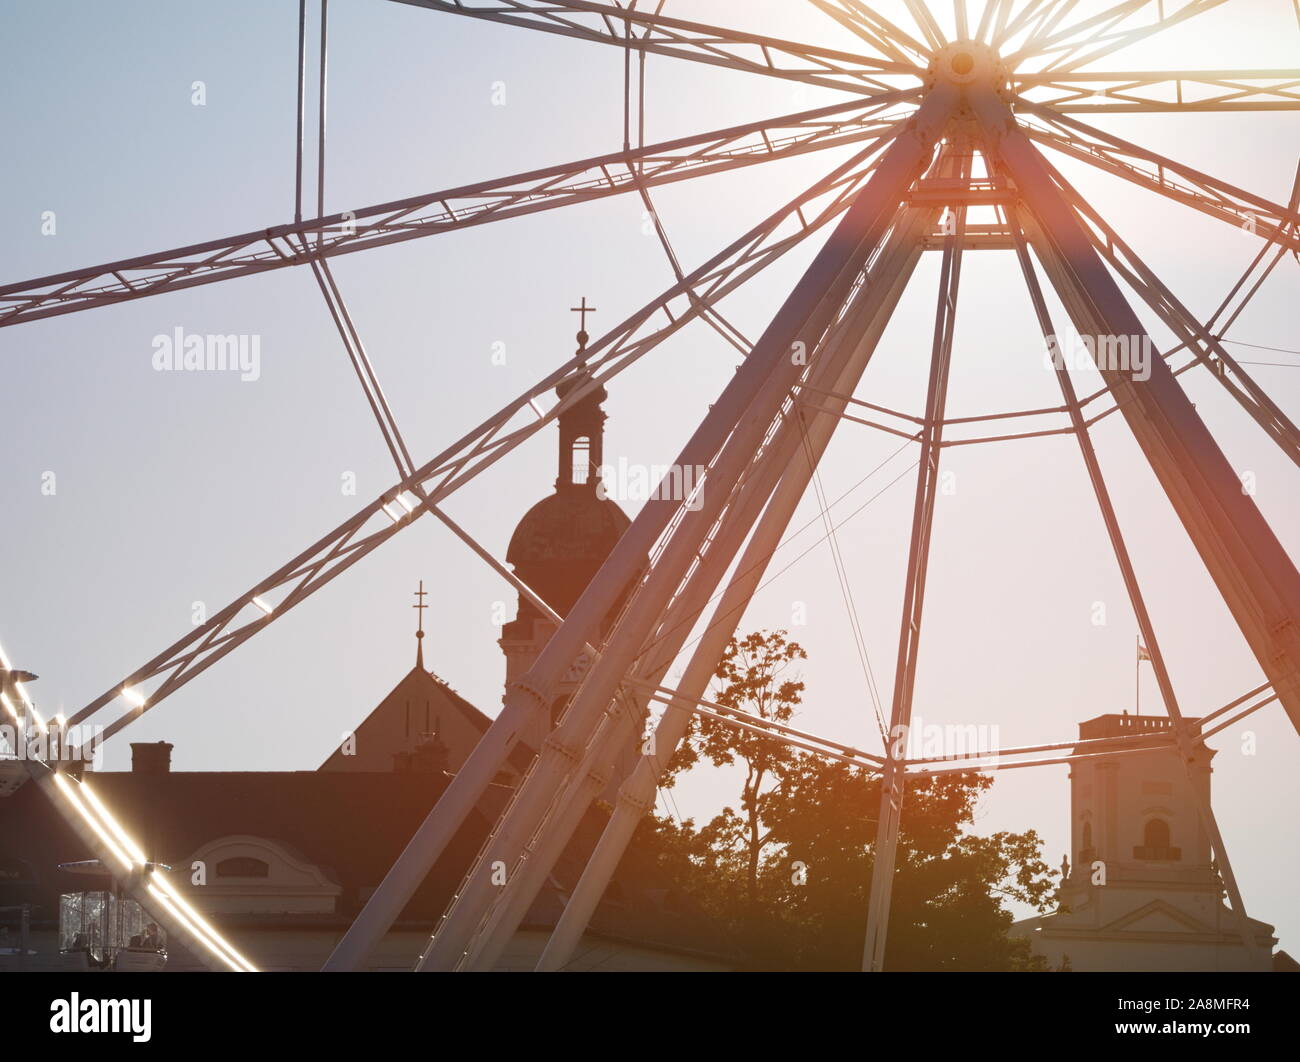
[[419, 606], [582, 424]]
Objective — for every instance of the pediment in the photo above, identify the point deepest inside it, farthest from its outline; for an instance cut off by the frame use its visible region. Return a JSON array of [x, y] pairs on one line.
[[1158, 916]]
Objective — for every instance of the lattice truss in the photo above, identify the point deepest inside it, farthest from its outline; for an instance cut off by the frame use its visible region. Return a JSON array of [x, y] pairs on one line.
[[956, 108]]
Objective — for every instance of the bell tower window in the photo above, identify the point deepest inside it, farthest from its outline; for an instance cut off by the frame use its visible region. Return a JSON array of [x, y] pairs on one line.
[[1156, 843], [580, 459]]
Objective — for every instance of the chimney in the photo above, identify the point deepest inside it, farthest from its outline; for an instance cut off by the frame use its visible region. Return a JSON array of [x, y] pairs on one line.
[[151, 757]]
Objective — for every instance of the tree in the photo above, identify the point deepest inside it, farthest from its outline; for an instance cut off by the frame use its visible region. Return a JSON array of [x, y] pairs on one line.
[[751, 674], [787, 870]]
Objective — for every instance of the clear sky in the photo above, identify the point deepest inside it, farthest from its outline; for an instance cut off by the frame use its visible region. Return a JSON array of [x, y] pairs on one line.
[[181, 488]]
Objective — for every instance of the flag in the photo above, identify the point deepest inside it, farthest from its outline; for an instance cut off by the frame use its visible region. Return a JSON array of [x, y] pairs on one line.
[[1142, 653]]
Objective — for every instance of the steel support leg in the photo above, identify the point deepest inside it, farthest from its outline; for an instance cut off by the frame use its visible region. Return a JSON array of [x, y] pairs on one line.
[[636, 795], [788, 471], [1253, 572], [1188, 743], [805, 316], [893, 781], [531, 694]]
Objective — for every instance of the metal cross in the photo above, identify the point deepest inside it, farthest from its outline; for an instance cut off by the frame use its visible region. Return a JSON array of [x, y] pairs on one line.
[[583, 309], [420, 595]]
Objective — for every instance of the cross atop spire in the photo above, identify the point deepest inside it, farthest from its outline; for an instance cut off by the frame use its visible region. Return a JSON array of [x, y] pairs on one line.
[[583, 309], [419, 606]]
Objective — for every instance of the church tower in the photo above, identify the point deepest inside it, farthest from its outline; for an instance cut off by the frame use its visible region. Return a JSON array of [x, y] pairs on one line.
[[1141, 891], [562, 541]]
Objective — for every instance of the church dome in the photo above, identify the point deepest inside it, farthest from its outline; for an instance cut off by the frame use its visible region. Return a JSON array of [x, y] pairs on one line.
[[561, 543], [563, 540], [571, 525]]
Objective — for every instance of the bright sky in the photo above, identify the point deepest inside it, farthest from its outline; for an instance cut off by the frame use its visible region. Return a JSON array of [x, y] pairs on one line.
[[181, 488]]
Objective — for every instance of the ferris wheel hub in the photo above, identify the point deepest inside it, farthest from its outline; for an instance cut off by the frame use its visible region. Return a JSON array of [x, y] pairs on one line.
[[967, 63]]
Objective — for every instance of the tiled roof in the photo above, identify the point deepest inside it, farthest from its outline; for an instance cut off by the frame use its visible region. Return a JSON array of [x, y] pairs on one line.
[[352, 825]]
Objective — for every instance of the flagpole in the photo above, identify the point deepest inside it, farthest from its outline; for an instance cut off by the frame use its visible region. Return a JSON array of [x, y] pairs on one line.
[[1137, 674]]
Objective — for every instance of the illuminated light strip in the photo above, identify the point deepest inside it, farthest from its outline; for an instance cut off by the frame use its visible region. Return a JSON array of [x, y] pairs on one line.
[[205, 934], [405, 504], [389, 513], [123, 847], [114, 827], [220, 946], [108, 829], [134, 696], [74, 798], [268, 609]]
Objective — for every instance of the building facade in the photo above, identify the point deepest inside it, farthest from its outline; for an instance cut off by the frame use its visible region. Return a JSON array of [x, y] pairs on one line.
[[1142, 891]]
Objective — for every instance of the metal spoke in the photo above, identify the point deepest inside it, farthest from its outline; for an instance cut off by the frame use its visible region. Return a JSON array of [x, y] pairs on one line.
[[887, 29], [1194, 336], [449, 209], [1255, 575], [1150, 92], [732, 431], [388, 514], [925, 22], [1062, 41], [893, 781], [1125, 40], [732, 49], [1039, 9], [854, 22], [1209, 195], [1186, 739]]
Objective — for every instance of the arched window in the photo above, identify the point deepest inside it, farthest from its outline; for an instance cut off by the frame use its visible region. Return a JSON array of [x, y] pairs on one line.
[[1156, 842], [243, 867], [1085, 849], [1156, 834], [581, 462]]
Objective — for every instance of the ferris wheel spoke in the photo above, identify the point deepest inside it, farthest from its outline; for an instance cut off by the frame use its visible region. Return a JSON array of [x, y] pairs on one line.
[[451, 209], [1070, 59], [333, 554], [893, 781], [867, 323], [1045, 40], [987, 23], [1199, 339], [775, 482], [871, 27], [926, 23], [1253, 213], [890, 29], [1184, 732], [854, 22], [725, 443], [1148, 92], [1024, 20], [732, 49], [1254, 574]]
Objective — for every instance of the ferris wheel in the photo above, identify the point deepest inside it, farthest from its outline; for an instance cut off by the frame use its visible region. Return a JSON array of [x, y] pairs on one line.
[[951, 117]]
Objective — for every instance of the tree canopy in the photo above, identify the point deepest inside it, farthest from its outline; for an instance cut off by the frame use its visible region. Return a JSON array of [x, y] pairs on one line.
[[787, 867]]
